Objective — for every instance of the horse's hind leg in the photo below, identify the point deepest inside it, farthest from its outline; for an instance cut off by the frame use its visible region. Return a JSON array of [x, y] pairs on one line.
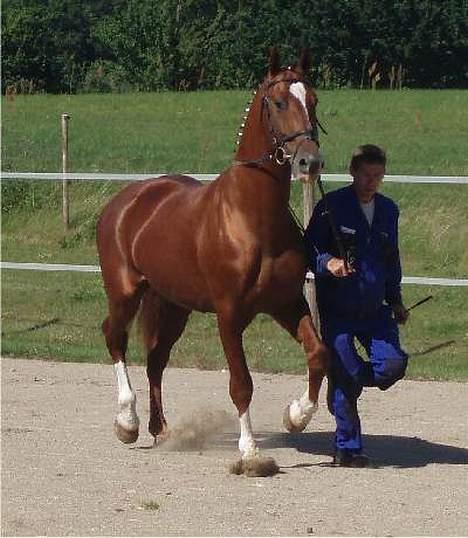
[[162, 323], [298, 322], [123, 305]]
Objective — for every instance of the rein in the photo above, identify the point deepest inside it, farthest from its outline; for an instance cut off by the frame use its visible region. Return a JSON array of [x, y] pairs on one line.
[[331, 221], [334, 230]]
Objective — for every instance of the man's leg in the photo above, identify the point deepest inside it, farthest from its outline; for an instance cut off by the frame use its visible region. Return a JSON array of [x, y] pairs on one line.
[[387, 361], [382, 344], [344, 393], [344, 402]]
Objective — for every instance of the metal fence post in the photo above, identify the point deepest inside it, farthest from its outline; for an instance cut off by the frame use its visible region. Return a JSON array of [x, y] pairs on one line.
[[309, 202], [65, 170]]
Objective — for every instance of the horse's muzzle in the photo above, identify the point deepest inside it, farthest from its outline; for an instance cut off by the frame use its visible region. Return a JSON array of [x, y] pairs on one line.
[[306, 166]]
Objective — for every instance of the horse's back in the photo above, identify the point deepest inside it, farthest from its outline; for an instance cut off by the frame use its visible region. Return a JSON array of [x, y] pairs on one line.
[[148, 230], [138, 189], [137, 200]]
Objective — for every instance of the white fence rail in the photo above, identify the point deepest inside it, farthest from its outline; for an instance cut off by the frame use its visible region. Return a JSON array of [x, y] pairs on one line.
[[78, 176], [426, 281]]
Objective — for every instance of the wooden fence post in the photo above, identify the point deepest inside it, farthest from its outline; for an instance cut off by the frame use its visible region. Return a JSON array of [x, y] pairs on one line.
[[309, 202], [65, 169]]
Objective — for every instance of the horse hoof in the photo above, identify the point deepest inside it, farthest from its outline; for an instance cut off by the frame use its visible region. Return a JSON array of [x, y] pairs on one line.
[[289, 424], [160, 438], [125, 436], [256, 466]]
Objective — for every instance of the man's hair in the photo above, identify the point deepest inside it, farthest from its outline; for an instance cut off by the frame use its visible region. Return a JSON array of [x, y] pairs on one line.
[[368, 153]]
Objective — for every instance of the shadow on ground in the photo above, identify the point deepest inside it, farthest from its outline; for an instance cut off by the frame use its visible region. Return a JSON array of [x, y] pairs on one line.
[[384, 450]]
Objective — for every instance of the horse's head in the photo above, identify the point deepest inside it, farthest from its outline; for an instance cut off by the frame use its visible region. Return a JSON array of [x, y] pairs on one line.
[[289, 105]]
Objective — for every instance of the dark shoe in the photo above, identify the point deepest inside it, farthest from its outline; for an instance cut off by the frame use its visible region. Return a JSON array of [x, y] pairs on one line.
[[346, 458]]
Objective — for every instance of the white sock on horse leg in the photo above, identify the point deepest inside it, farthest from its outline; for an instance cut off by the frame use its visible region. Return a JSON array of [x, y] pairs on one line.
[[247, 445], [302, 410], [127, 416]]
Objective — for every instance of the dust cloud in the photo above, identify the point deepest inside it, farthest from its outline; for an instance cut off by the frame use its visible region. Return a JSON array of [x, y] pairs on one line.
[[195, 431]]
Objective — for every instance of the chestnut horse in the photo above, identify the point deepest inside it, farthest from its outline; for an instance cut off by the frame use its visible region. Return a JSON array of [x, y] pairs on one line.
[[171, 245]]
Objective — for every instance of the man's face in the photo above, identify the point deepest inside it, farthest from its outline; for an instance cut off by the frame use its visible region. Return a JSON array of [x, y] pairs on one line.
[[367, 180]]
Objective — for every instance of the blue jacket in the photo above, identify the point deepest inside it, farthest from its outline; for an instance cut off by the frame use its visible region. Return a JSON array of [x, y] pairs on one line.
[[372, 251]]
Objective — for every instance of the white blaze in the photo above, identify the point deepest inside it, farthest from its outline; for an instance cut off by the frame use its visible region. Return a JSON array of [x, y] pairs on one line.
[[298, 90]]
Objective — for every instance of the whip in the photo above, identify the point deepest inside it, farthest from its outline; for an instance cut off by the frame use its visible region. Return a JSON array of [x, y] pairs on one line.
[[422, 301]]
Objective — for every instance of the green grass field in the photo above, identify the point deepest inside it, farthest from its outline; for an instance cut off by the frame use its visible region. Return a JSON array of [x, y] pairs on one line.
[[58, 316], [424, 131]]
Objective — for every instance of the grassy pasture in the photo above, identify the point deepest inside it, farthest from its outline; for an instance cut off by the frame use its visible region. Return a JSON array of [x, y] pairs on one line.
[[58, 316], [424, 131]]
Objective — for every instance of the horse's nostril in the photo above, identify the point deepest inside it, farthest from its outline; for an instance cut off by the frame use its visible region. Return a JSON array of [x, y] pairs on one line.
[[302, 162]]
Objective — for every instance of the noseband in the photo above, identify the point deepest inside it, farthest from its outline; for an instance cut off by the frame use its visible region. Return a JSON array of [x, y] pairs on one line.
[[280, 154]]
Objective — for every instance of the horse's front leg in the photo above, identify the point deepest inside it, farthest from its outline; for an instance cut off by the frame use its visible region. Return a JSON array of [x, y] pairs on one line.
[[298, 322], [240, 384]]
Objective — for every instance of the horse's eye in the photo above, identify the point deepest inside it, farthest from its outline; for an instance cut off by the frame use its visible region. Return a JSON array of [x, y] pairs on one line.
[[281, 104]]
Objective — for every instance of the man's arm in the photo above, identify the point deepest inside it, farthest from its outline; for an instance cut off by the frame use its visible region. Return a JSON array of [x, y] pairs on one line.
[[318, 240], [317, 237], [393, 285]]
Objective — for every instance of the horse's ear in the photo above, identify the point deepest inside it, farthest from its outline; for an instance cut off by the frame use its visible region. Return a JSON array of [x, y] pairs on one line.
[[305, 61], [274, 62]]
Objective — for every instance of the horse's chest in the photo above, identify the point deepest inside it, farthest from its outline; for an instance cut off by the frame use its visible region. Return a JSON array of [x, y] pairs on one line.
[[265, 275], [279, 277]]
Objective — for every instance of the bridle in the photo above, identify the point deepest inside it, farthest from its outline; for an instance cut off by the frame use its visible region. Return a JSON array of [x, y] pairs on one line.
[[279, 153]]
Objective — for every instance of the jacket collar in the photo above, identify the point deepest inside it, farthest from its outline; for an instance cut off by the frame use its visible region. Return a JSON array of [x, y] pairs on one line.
[[358, 209]]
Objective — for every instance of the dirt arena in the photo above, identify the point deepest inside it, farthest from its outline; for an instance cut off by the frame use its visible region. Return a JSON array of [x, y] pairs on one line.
[[65, 474]]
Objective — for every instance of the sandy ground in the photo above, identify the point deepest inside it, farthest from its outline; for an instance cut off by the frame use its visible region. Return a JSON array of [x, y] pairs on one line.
[[64, 473]]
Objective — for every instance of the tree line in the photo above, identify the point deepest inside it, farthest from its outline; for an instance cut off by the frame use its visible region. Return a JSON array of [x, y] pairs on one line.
[[74, 46]]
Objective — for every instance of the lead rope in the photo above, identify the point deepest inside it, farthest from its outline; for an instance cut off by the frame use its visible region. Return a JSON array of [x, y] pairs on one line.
[[331, 220], [296, 219]]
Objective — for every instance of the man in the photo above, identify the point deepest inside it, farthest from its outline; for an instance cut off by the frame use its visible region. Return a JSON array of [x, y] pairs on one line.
[[358, 294]]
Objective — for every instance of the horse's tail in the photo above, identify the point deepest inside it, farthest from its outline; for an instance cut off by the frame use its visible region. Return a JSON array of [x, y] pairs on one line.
[[148, 317]]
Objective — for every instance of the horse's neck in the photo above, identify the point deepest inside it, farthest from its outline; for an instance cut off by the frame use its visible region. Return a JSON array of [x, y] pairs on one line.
[[255, 141], [263, 179]]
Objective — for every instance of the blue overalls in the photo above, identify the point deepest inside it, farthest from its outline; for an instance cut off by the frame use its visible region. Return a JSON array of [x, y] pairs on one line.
[[357, 307]]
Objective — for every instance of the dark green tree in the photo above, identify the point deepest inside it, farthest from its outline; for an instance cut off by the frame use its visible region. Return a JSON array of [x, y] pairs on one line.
[[97, 45]]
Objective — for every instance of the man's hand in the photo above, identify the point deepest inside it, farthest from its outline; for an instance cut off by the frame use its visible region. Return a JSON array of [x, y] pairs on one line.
[[400, 313], [338, 268]]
